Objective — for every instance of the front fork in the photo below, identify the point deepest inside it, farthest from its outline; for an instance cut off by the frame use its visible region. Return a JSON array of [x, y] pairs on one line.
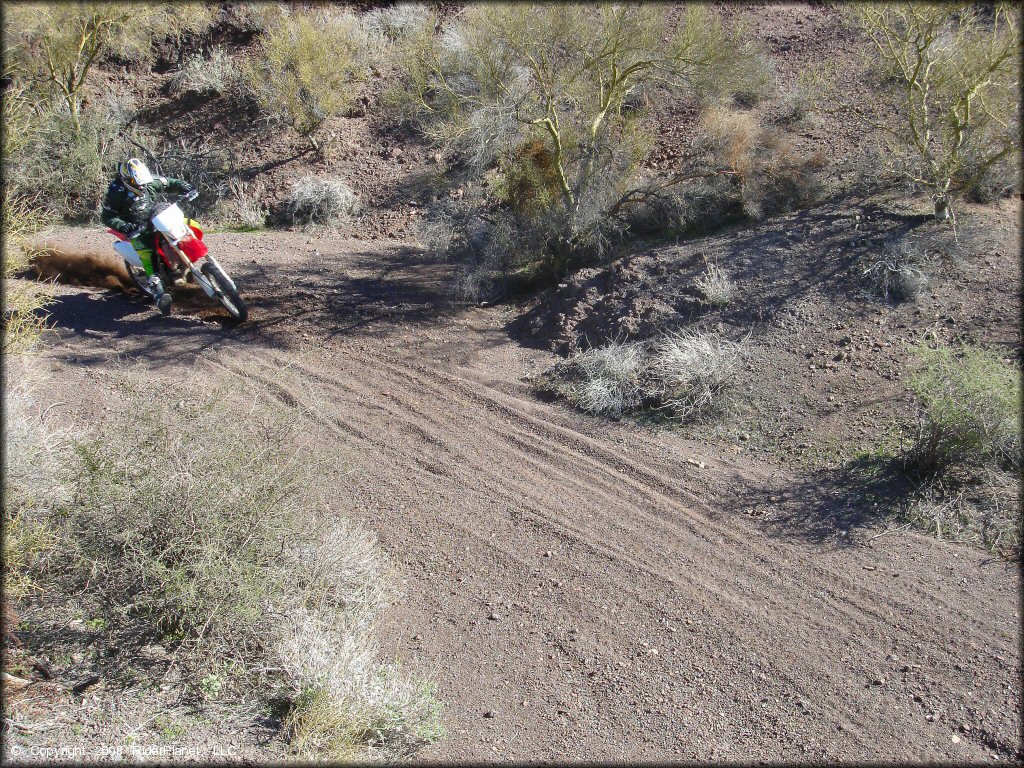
[[207, 285]]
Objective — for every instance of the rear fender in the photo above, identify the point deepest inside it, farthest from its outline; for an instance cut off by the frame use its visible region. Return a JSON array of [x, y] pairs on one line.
[[127, 252]]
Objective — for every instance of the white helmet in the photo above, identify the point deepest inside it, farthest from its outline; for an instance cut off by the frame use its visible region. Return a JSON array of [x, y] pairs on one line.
[[134, 174]]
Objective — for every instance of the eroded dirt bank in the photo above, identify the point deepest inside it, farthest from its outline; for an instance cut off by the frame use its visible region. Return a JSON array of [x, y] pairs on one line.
[[580, 589]]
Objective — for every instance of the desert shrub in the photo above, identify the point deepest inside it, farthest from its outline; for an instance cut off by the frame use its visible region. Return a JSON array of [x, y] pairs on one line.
[[204, 164], [309, 70], [398, 20], [715, 285], [23, 301], [20, 217], [988, 513], [538, 101], [1000, 178], [903, 266], [350, 708], [686, 375], [793, 105], [67, 169], [253, 16], [243, 206], [29, 482], [693, 371], [771, 175], [58, 44], [32, 478], [970, 410], [325, 201], [610, 378], [739, 168], [216, 535], [892, 277], [197, 74], [945, 102]]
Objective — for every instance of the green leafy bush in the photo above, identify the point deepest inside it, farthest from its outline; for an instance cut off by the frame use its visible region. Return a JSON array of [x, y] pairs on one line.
[[309, 70], [970, 409]]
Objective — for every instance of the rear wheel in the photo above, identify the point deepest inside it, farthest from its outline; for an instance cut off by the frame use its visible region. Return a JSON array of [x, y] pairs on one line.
[[229, 297]]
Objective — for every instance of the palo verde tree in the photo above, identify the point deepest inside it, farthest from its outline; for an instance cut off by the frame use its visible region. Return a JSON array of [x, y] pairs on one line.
[[309, 70], [58, 44], [550, 98], [946, 79]]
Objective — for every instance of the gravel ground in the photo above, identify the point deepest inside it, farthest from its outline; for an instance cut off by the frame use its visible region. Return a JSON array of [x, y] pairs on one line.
[[579, 589]]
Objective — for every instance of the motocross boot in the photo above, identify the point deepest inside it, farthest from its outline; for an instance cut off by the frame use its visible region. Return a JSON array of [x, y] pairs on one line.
[[163, 298]]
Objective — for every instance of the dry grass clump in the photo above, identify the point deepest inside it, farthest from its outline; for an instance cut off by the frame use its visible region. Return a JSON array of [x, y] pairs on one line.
[[988, 514], [716, 286], [243, 206], [398, 20], [208, 526], [771, 174], [685, 375], [902, 268], [325, 201], [198, 74], [611, 378], [693, 370]]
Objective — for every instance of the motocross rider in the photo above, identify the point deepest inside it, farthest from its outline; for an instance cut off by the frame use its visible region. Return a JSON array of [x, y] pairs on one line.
[[127, 209]]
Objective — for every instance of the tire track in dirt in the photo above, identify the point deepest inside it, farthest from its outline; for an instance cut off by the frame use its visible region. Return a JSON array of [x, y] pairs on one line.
[[662, 625], [648, 488], [537, 448]]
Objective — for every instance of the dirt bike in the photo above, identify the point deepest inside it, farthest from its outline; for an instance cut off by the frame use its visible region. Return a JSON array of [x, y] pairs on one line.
[[181, 254]]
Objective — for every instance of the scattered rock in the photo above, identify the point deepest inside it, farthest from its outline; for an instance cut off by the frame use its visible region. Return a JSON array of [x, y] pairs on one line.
[[493, 616], [490, 714]]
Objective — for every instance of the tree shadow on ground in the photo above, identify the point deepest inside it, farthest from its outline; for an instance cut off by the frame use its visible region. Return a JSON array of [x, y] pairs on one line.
[[836, 506], [369, 292]]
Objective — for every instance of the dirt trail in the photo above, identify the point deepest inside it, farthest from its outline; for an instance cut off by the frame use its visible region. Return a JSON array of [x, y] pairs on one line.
[[581, 589]]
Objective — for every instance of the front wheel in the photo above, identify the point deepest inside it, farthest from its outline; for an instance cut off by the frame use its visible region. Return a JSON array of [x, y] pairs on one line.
[[229, 297]]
